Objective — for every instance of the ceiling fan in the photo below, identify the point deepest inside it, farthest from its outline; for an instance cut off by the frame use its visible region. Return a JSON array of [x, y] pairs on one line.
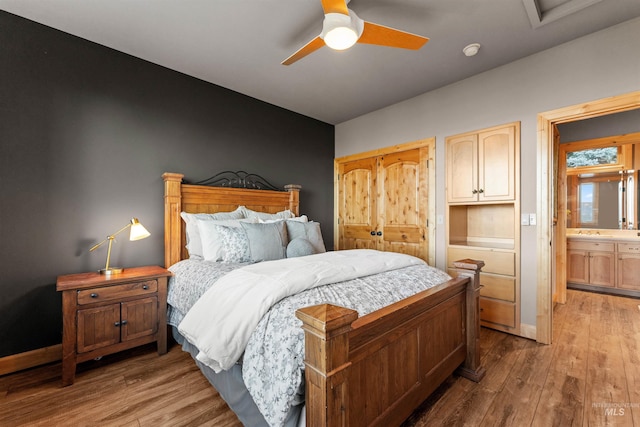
[[342, 28]]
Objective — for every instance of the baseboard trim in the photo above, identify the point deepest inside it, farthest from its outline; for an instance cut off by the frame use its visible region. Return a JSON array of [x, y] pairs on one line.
[[30, 359]]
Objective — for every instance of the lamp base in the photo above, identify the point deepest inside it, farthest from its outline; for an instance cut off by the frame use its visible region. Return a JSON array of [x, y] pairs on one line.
[[111, 270]]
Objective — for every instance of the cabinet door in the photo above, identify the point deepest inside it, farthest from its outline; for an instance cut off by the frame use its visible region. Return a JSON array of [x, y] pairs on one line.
[[139, 318], [496, 164], [462, 169], [602, 268], [577, 266], [357, 215], [402, 203], [629, 271], [98, 327]]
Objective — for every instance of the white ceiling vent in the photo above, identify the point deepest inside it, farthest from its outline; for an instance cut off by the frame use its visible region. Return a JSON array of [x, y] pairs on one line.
[[542, 12]]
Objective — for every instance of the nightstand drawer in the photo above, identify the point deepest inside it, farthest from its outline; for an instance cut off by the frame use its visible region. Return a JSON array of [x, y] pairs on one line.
[[116, 292]]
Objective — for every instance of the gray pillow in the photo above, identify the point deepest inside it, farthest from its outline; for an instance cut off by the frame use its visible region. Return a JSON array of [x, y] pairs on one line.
[[267, 241], [299, 247], [309, 231]]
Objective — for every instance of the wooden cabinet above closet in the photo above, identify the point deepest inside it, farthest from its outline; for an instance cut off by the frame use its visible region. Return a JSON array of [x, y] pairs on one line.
[[481, 166]]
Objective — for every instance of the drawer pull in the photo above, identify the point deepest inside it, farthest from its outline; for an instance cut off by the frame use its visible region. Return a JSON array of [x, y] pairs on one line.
[[94, 295]]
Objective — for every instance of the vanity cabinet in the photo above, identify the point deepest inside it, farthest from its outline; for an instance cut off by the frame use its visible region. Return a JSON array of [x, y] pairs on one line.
[[629, 266], [603, 263], [591, 263], [482, 217]]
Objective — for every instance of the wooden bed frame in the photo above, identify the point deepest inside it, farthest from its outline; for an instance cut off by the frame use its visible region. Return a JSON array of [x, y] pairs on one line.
[[373, 370]]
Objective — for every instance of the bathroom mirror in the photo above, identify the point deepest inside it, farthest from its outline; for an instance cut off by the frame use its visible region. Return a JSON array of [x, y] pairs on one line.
[[603, 200]]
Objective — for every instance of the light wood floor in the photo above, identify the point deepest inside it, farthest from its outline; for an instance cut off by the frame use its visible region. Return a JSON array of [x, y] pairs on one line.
[[590, 376]]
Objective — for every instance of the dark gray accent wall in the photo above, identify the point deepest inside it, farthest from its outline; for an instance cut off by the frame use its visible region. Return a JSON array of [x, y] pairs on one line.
[[85, 135]]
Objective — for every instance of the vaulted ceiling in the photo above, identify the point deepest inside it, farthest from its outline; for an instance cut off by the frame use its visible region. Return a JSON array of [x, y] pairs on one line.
[[240, 44]]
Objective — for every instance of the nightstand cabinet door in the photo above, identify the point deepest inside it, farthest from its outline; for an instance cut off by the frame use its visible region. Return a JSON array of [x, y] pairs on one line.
[[98, 327], [139, 318]]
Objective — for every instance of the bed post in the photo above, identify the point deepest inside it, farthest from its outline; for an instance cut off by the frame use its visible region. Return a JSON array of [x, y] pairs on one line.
[[471, 368], [326, 329], [294, 198], [172, 224]]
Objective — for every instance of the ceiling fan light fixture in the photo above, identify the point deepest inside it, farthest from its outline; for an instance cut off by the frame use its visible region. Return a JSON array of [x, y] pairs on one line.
[[338, 31]]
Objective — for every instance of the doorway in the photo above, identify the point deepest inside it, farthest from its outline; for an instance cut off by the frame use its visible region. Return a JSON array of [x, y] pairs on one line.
[[550, 248]]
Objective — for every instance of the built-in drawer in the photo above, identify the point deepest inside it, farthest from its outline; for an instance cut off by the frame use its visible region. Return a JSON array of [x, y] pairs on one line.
[[117, 292], [629, 248], [498, 287], [580, 245], [498, 312], [495, 262]]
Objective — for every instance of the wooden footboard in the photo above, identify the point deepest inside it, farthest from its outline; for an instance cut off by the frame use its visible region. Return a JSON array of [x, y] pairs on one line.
[[375, 370]]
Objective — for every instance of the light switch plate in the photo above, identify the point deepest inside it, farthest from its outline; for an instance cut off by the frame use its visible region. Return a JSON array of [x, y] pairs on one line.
[[524, 219], [532, 219]]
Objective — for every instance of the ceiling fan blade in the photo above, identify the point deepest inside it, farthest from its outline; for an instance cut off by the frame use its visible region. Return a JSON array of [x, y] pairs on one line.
[[385, 36], [335, 6], [305, 50]]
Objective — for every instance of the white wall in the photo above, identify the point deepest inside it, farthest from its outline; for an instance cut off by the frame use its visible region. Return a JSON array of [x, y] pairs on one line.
[[599, 65]]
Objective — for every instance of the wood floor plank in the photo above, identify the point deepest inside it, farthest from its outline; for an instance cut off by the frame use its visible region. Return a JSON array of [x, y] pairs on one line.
[[628, 318], [606, 382], [594, 362], [562, 399]]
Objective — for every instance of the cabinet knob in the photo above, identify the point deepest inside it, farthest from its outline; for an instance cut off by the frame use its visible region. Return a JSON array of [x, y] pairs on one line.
[[481, 191], [475, 191], [94, 295], [124, 322], [373, 233], [379, 233], [116, 324], [145, 287]]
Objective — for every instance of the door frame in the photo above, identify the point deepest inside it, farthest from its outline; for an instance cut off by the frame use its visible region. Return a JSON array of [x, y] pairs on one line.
[[546, 195], [430, 144]]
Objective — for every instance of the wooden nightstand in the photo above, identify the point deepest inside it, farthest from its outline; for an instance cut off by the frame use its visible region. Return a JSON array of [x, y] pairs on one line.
[[103, 314]]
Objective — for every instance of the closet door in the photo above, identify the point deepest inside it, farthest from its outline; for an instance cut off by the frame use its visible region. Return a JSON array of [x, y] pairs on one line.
[[402, 203], [357, 214]]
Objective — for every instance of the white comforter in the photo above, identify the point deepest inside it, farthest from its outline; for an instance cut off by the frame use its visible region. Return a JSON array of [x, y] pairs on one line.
[[222, 320]]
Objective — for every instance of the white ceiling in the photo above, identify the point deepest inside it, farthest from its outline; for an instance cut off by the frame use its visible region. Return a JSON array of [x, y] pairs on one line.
[[239, 44]]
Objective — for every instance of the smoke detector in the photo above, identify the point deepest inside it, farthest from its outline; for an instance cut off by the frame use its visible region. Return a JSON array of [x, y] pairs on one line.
[[471, 49]]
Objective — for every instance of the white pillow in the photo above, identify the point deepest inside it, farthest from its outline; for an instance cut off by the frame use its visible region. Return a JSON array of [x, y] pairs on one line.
[[224, 241], [194, 243], [302, 218], [285, 214]]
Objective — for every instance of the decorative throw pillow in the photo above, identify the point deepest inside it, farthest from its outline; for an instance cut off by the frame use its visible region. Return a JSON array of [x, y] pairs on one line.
[[309, 231], [266, 241], [194, 242], [221, 243], [299, 247]]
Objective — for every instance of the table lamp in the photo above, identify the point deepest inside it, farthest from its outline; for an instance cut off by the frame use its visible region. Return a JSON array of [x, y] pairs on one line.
[[137, 232]]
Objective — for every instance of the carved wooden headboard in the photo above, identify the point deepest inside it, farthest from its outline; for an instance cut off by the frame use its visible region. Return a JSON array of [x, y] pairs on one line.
[[202, 197]]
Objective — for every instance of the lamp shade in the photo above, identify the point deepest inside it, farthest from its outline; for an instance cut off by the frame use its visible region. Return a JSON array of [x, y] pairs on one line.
[[137, 230]]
